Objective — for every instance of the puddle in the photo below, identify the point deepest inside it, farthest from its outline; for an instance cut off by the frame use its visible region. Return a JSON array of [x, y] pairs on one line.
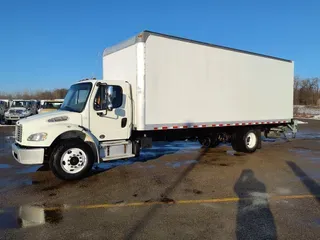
[[314, 159], [31, 169], [28, 216], [180, 163], [112, 164], [158, 150], [234, 153], [269, 140], [5, 166], [307, 135], [163, 148], [10, 182], [300, 150], [146, 166]]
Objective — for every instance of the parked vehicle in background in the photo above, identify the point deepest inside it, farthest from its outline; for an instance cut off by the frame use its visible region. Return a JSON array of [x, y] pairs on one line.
[[6, 102], [20, 109], [166, 88], [50, 105], [2, 110], [37, 104]]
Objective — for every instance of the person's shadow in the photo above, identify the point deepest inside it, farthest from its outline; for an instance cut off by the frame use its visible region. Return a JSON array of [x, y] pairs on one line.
[[254, 217]]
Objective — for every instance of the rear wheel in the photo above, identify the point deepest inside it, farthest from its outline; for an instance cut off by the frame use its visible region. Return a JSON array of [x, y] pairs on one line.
[[71, 160], [209, 142], [245, 140]]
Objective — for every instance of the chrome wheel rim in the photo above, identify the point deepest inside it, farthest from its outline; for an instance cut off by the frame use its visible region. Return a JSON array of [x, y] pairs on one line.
[[251, 140], [73, 160]]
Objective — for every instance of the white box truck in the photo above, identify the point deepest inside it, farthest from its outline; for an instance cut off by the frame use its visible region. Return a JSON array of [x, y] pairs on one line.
[[159, 87]]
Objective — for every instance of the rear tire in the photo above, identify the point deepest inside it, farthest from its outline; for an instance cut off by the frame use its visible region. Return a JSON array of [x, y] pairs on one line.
[[245, 140], [209, 142], [71, 160]]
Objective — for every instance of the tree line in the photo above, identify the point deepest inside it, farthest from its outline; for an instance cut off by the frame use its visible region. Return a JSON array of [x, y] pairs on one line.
[[38, 95], [306, 91]]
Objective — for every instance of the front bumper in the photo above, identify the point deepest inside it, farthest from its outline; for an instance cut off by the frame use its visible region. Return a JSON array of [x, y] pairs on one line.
[[27, 156], [13, 118]]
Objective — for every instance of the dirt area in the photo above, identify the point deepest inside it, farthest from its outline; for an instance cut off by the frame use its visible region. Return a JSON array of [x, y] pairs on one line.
[[174, 191]]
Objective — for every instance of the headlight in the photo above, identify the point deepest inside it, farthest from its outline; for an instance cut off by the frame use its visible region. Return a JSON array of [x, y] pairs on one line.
[[6, 113], [38, 137]]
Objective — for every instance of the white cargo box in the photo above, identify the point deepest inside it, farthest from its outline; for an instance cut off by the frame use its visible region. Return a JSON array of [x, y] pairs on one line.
[[180, 83]]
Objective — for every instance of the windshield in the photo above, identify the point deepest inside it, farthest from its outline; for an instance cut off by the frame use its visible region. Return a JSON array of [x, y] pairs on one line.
[[76, 98], [52, 105], [20, 104]]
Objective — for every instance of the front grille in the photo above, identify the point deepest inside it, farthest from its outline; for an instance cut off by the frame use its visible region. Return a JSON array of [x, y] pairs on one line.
[[14, 112], [19, 133]]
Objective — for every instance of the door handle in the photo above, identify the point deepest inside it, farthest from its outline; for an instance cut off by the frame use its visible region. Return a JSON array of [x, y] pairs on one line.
[[123, 122], [100, 114]]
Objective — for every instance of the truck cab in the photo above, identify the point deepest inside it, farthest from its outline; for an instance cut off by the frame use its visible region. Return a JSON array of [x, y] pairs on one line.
[[93, 124]]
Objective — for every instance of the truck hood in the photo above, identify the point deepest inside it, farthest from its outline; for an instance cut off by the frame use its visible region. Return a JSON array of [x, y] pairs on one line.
[[56, 117]]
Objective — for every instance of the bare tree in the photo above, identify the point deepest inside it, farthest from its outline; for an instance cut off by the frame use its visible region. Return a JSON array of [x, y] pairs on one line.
[[306, 91], [54, 94]]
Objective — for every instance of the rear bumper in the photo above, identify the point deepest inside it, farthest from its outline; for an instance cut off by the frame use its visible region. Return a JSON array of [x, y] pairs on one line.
[[27, 156]]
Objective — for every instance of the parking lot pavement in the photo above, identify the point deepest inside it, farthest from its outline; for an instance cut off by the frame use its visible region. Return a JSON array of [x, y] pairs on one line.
[[174, 191]]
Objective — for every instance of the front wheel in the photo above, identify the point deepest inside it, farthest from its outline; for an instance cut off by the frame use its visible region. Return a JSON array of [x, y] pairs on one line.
[[71, 160]]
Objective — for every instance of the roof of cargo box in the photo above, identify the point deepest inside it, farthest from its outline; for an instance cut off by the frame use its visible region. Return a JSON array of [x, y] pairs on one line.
[[143, 36]]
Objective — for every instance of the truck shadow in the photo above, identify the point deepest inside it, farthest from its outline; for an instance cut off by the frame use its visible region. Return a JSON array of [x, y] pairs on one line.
[[309, 183], [164, 197]]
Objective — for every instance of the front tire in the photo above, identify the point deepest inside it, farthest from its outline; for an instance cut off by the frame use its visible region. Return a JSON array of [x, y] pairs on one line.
[[71, 160]]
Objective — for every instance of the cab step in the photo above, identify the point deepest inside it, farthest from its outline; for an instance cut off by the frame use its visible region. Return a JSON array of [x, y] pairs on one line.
[[113, 150]]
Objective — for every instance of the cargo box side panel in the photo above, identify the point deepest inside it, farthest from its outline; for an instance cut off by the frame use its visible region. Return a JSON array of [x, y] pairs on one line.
[[188, 83], [121, 65]]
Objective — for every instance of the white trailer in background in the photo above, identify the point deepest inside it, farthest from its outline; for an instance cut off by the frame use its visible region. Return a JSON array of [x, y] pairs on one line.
[[159, 87]]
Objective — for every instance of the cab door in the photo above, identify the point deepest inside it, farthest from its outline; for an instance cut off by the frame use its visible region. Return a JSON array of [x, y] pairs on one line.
[[111, 124]]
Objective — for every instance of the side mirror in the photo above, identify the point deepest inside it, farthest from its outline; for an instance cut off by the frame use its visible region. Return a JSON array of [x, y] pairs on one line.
[[110, 97]]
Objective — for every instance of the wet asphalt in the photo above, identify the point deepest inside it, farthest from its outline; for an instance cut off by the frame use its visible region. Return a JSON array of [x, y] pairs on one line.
[[174, 191]]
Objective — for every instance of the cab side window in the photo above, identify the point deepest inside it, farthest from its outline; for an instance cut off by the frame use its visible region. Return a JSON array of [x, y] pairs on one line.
[[101, 101], [117, 97]]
